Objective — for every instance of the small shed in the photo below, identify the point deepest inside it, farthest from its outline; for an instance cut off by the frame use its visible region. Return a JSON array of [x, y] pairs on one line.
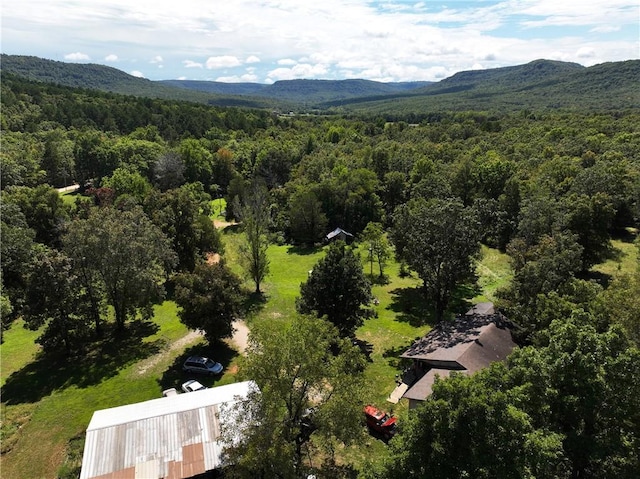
[[339, 234], [170, 437]]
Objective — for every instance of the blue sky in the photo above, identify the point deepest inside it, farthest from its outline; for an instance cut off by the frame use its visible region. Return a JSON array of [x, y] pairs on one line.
[[269, 40]]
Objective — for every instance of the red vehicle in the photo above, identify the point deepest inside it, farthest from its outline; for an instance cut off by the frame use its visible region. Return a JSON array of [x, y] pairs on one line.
[[380, 422]]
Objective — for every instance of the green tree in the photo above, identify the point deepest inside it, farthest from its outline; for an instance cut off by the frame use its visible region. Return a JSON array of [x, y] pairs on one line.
[[379, 249], [58, 160], [197, 160], [43, 209], [20, 160], [129, 255], [439, 240], [127, 180], [337, 289], [590, 217], [255, 216], [209, 298], [307, 221], [539, 270], [56, 301], [181, 214], [16, 251], [308, 396]]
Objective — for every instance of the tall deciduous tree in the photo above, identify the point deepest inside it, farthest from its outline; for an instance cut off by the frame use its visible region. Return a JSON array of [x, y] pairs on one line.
[[337, 288], [43, 210], [539, 271], [129, 255], [309, 393], [16, 251], [439, 240], [56, 300], [307, 221], [181, 213], [209, 298], [255, 216], [376, 241]]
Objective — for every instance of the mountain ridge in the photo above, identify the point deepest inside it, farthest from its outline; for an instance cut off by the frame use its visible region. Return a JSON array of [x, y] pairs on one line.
[[537, 84]]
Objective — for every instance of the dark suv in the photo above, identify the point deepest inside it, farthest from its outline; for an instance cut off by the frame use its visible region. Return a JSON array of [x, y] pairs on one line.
[[198, 364]]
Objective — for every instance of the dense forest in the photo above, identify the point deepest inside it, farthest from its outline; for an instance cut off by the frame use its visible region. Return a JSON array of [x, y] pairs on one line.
[[550, 187]]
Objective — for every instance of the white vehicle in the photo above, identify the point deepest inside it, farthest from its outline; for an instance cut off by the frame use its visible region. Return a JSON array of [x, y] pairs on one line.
[[192, 385], [169, 392]]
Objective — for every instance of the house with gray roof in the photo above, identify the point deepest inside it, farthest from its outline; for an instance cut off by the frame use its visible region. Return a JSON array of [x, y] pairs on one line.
[[466, 345], [339, 234]]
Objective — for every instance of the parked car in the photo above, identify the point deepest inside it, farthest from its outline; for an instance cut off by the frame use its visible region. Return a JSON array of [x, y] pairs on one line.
[[199, 364], [169, 392], [380, 422], [192, 385]]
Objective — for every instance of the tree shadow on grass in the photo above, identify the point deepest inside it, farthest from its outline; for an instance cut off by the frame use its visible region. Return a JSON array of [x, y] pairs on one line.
[[232, 229], [411, 307], [603, 279], [461, 297], [392, 355], [101, 360], [365, 347], [252, 303], [304, 250], [220, 352]]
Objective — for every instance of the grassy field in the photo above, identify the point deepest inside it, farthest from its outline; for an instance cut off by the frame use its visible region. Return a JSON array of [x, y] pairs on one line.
[[46, 409], [625, 259]]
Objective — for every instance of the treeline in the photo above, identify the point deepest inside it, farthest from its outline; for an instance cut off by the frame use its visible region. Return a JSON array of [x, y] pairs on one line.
[[550, 189]]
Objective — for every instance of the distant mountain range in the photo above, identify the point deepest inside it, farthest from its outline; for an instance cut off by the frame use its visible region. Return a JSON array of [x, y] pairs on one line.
[[540, 84], [302, 91]]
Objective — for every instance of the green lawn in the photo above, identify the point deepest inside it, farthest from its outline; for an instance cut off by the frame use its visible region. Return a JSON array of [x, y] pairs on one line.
[[625, 259], [44, 408]]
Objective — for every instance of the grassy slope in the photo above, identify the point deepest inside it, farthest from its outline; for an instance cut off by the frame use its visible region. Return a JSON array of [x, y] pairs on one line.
[[40, 430]]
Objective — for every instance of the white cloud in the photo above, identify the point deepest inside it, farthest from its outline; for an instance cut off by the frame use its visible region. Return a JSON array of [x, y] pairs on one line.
[[225, 61], [301, 70], [247, 77], [191, 64], [394, 39], [137, 74], [77, 57], [605, 29], [586, 52]]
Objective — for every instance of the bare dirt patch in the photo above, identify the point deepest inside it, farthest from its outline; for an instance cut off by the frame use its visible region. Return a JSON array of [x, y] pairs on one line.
[[213, 258], [181, 343], [223, 224], [240, 337]]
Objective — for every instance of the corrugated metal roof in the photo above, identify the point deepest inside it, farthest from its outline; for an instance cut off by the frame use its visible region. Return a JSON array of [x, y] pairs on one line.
[[175, 436]]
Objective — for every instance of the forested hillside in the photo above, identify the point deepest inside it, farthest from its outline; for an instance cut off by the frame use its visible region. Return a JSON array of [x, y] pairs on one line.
[[557, 190], [541, 84]]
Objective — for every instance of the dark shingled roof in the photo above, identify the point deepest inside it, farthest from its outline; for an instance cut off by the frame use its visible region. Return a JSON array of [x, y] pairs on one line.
[[468, 344]]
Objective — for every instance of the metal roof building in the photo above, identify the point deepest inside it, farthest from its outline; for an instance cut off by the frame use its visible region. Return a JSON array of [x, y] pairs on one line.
[[169, 437]]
